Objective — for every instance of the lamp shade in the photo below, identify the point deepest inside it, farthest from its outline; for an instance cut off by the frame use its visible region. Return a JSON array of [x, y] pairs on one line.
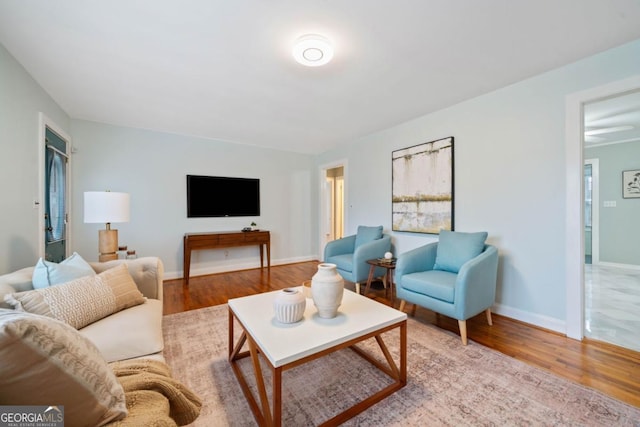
[[106, 207]]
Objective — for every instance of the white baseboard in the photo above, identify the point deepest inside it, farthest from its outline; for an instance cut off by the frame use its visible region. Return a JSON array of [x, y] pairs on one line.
[[213, 269], [556, 325], [617, 265]]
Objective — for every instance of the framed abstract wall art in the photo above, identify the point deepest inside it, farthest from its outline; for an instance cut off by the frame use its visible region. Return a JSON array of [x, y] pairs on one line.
[[422, 187], [631, 184]]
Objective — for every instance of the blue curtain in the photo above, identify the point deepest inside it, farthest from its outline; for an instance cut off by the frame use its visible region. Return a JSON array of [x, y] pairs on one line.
[[56, 197]]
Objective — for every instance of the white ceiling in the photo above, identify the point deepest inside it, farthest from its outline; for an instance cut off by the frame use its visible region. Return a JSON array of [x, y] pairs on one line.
[[615, 120], [223, 68]]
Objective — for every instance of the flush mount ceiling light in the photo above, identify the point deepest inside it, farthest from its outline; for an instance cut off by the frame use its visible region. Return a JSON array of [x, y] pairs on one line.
[[312, 50]]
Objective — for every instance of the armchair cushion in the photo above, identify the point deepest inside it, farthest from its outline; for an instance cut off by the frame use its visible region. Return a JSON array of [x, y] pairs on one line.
[[367, 234], [343, 262], [456, 248], [433, 283]]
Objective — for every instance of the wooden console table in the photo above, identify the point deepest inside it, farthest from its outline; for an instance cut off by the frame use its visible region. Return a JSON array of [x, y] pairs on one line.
[[225, 239]]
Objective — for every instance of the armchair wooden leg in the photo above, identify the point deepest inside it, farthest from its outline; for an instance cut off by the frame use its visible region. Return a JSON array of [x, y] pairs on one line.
[[463, 331], [489, 317], [403, 303], [357, 288]]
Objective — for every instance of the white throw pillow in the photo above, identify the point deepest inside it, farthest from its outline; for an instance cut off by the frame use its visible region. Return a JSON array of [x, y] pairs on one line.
[[47, 273]]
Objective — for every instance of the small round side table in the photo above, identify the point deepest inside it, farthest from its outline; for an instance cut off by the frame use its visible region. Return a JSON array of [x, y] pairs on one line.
[[389, 265]]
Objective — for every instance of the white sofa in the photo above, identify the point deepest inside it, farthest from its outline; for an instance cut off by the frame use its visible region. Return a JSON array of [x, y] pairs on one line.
[[92, 344], [131, 333]]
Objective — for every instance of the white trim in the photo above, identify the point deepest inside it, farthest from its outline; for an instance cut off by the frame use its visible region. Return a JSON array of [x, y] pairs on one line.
[[226, 268], [595, 209], [322, 172], [574, 238], [618, 265], [550, 323], [604, 144], [45, 122]]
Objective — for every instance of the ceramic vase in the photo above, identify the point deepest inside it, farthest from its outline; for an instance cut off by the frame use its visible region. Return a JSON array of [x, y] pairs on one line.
[[327, 288], [289, 305]]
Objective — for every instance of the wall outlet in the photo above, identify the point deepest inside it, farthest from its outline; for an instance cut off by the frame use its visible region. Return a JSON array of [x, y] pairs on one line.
[[610, 204]]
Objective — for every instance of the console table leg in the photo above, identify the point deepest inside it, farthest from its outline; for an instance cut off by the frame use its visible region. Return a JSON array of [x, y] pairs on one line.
[[186, 263], [261, 256]]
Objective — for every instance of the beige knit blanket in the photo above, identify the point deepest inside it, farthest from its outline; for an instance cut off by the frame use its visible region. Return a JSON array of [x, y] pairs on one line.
[[153, 397]]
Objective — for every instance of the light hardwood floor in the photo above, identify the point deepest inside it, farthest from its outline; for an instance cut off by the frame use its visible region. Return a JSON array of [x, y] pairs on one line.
[[605, 367]]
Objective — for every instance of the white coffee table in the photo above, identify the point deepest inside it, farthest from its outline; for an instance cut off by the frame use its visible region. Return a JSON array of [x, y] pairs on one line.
[[286, 346]]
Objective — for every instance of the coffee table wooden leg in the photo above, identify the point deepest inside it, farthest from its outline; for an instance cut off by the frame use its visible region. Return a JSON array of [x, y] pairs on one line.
[[403, 353], [262, 391], [277, 397]]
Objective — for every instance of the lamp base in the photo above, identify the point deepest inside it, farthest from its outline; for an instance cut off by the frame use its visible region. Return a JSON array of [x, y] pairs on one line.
[[107, 245], [107, 257]]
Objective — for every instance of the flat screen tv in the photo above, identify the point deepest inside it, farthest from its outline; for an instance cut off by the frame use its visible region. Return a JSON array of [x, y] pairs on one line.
[[219, 196]]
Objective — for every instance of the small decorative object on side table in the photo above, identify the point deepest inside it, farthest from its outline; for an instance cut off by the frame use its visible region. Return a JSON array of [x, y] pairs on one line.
[[389, 264]]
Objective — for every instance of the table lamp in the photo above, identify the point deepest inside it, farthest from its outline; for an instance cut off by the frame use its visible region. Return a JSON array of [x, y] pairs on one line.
[[106, 207]]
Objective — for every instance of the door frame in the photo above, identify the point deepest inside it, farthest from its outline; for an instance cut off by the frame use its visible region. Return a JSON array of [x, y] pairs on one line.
[[44, 123], [595, 209], [574, 232], [322, 220]]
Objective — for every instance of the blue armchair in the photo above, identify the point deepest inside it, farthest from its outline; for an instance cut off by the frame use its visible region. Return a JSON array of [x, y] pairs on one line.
[[455, 277], [350, 254]]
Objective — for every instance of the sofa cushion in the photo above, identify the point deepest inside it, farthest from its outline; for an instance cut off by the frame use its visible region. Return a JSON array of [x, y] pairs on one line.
[[147, 272], [134, 332], [47, 273], [5, 290], [456, 248], [367, 234], [82, 301], [47, 362], [433, 283], [20, 280]]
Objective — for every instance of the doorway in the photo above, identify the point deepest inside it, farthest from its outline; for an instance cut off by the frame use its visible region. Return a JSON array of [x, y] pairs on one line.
[[611, 271], [332, 203], [575, 212], [55, 166]]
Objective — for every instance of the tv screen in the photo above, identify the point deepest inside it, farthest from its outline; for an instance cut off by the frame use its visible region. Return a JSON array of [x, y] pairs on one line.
[[218, 196]]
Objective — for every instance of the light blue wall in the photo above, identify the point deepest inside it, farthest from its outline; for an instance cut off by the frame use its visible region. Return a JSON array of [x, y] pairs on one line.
[[21, 101], [509, 177], [152, 167], [619, 226]]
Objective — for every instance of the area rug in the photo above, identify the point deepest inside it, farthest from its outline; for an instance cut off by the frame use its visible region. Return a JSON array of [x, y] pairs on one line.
[[448, 384]]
